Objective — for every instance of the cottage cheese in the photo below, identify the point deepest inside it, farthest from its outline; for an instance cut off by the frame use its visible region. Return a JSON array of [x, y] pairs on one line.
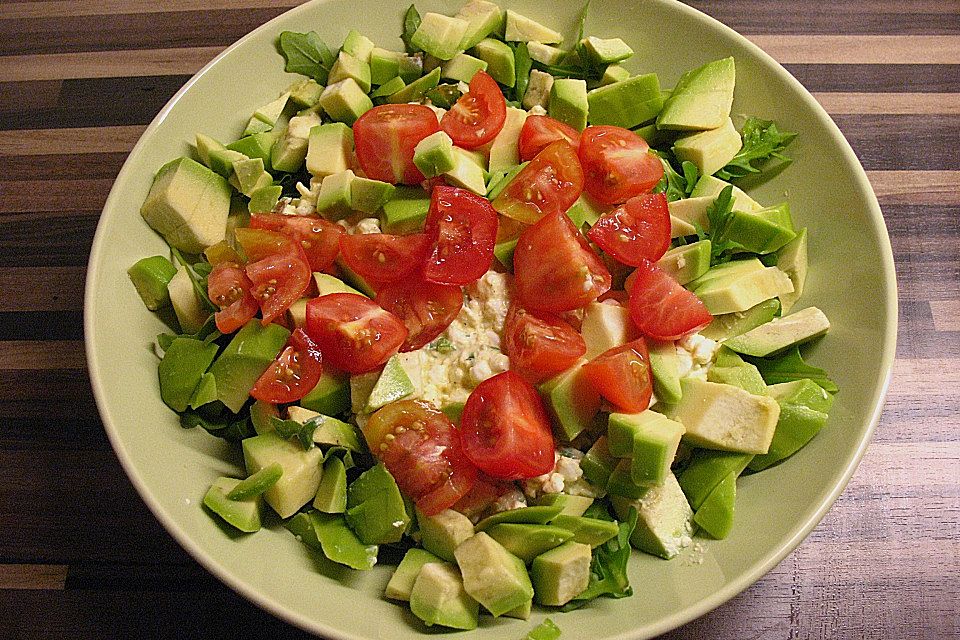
[[566, 477], [696, 354]]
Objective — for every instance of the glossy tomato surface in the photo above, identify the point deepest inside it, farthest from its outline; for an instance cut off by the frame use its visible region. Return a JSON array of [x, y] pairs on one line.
[[426, 308], [540, 345], [353, 332], [229, 288], [550, 183], [622, 376], [661, 308], [382, 257], [617, 164], [462, 229], [385, 137], [278, 270], [539, 132], [293, 374], [637, 230], [319, 238], [478, 116]]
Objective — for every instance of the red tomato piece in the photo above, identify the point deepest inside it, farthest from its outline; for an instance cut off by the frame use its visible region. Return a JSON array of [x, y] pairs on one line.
[[555, 269], [540, 346], [637, 230], [353, 332], [319, 238], [481, 497], [661, 308], [385, 137], [229, 288], [257, 244], [478, 116], [505, 429], [622, 376], [426, 308], [382, 257], [421, 449], [293, 374], [278, 270], [550, 183], [617, 164], [462, 228], [539, 132]]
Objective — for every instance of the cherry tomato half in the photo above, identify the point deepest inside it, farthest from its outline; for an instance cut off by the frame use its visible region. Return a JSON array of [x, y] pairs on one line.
[[639, 229], [478, 116], [278, 270], [426, 308], [293, 374], [617, 164], [661, 308], [462, 228], [229, 288], [353, 332], [622, 376], [382, 257], [319, 238], [539, 132], [385, 137], [540, 345], [550, 183]]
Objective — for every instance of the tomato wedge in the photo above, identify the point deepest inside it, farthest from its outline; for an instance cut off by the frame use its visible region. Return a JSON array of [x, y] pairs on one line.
[[556, 270], [617, 164], [319, 238], [539, 132], [540, 346], [293, 374], [637, 230], [426, 308], [478, 116], [550, 183], [278, 270], [622, 376], [229, 288], [353, 332], [382, 257], [421, 449], [661, 308], [385, 137], [462, 228], [481, 497], [505, 429]]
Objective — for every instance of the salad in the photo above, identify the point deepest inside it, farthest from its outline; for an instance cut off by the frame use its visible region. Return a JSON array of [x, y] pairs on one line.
[[492, 303]]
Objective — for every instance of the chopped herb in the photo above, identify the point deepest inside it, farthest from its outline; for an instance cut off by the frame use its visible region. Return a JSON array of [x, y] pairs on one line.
[[789, 367], [761, 142], [608, 569], [411, 22], [306, 54], [442, 345]]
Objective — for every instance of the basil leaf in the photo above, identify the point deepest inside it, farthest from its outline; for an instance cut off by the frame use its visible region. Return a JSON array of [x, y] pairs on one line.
[[306, 54]]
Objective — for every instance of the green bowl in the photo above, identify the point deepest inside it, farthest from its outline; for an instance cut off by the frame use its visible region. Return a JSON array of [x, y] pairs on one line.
[[851, 279]]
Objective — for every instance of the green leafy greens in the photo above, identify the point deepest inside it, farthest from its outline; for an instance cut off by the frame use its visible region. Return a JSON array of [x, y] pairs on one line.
[[306, 54], [721, 249], [608, 569], [523, 64], [789, 367], [303, 432], [411, 22], [761, 142]]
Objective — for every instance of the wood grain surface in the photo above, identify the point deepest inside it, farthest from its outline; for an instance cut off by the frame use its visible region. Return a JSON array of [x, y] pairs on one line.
[[80, 555]]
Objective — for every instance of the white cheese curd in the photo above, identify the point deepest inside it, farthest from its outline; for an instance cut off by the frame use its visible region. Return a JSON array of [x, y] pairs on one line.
[[307, 204], [361, 226], [513, 499], [289, 207], [695, 353], [537, 110], [566, 477]]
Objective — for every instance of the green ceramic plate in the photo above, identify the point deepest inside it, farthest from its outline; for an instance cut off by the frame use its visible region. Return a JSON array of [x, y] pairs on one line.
[[851, 279]]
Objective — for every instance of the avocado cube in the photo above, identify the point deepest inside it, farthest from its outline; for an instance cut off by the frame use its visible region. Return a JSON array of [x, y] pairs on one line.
[[762, 231], [265, 199], [334, 200], [605, 51], [434, 154], [715, 515], [462, 67], [664, 519], [332, 493], [414, 91], [357, 45], [327, 431], [709, 150], [241, 514], [744, 375], [251, 175], [348, 66], [183, 365], [587, 209], [305, 93], [665, 370], [503, 251], [687, 213], [327, 284], [368, 195], [388, 88], [329, 149], [270, 112], [385, 65], [392, 385], [345, 101], [653, 442], [627, 103], [244, 360], [442, 533], [258, 145], [792, 260], [375, 508], [331, 395], [191, 314], [686, 262], [589, 531], [290, 150], [439, 597], [493, 576], [598, 463], [467, 172], [301, 470], [205, 146], [520, 28], [561, 574], [527, 541], [403, 578], [707, 468], [523, 515], [188, 205], [483, 18], [406, 211], [728, 325], [329, 534], [569, 102], [150, 277], [606, 326], [262, 415], [439, 35], [621, 481], [255, 125], [615, 73], [544, 53], [499, 57], [504, 149], [701, 98], [739, 291], [572, 401], [712, 186], [571, 505]]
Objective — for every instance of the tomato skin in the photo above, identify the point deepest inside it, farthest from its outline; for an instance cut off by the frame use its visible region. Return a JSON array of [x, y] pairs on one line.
[[540, 346], [661, 308], [319, 238], [478, 116], [617, 164], [354, 333], [481, 497], [538, 132], [462, 229], [505, 429], [426, 308], [293, 374], [385, 137], [229, 288], [556, 270], [550, 183], [421, 449], [382, 257], [277, 268], [622, 376], [637, 230]]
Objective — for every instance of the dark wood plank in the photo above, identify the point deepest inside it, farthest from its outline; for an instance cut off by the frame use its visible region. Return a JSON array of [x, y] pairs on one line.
[[41, 289], [876, 77], [903, 142], [104, 166], [54, 239]]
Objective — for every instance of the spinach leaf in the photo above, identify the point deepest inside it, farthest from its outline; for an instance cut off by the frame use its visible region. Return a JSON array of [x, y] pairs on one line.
[[523, 64], [608, 569], [761, 142], [411, 22], [790, 366], [219, 421], [287, 429], [306, 54]]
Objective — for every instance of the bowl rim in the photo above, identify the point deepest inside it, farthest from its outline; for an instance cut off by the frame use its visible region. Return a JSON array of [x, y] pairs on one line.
[[664, 624]]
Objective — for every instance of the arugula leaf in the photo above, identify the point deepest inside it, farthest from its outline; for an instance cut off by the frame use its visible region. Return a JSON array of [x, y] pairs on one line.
[[199, 281], [306, 54], [761, 142], [208, 333], [219, 421], [608, 569], [523, 64], [789, 367], [721, 249], [287, 429], [672, 184], [411, 22], [690, 174]]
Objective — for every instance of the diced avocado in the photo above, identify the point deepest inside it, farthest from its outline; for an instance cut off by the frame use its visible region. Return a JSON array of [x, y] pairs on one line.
[[216, 156], [781, 333], [523, 515], [335, 198], [150, 277], [792, 260], [496, 188], [251, 175], [332, 493], [241, 514], [291, 149], [405, 211], [329, 150], [493, 576], [762, 231], [715, 515], [712, 186], [701, 98], [664, 519], [590, 531], [466, 173], [301, 470], [205, 393], [244, 360], [385, 65], [627, 103], [401, 583], [347, 66], [729, 325], [392, 385], [686, 262], [604, 51], [649, 439], [571, 505], [434, 154], [440, 534], [544, 53], [587, 209], [615, 73], [499, 57], [331, 395], [744, 375], [255, 125], [462, 67], [327, 431], [569, 103], [306, 93], [503, 251], [439, 597], [707, 468], [797, 425], [357, 45], [188, 205], [388, 88], [258, 145], [327, 284], [264, 198], [572, 400], [375, 508], [345, 101], [561, 574], [546, 630], [354, 279], [721, 416], [598, 463], [439, 35], [710, 150], [368, 195], [738, 285], [621, 481], [453, 411], [270, 112], [665, 370], [527, 541], [183, 365], [414, 91], [329, 534], [483, 18], [520, 28], [606, 326], [256, 483], [262, 414], [191, 314], [504, 149], [686, 213], [538, 90]]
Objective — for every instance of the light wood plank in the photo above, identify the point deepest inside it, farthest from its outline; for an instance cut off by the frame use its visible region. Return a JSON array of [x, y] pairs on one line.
[[67, 8], [106, 64], [33, 576], [946, 315], [912, 49], [78, 140], [914, 378], [916, 187], [41, 288], [35, 355], [890, 103]]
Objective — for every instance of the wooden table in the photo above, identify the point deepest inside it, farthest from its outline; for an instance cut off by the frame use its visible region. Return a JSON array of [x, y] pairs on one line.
[[80, 555]]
